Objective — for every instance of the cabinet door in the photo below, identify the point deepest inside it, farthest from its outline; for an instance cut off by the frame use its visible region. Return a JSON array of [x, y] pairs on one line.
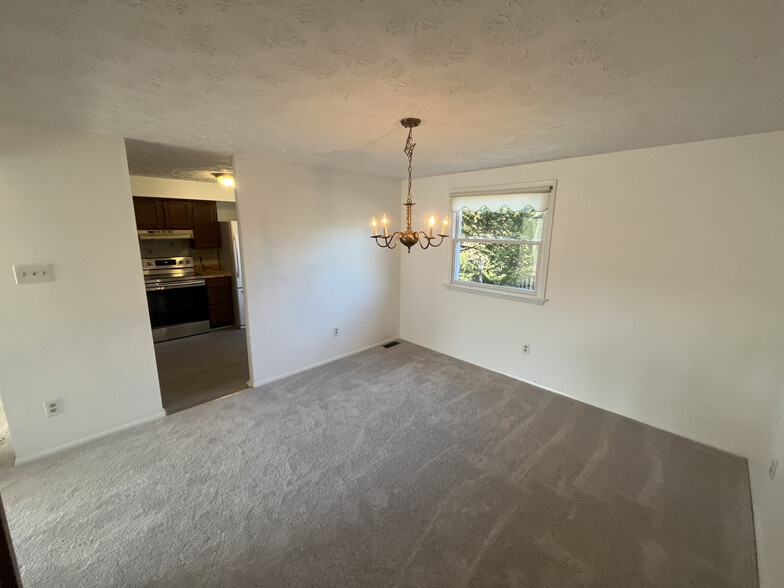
[[221, 304], [149, 213], [206, 230], [178, 214]]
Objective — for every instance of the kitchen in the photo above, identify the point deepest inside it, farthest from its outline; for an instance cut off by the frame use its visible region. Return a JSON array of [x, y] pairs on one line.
[[190, 263]]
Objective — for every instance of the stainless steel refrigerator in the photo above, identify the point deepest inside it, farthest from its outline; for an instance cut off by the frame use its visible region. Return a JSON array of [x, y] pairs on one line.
[[230, 261]]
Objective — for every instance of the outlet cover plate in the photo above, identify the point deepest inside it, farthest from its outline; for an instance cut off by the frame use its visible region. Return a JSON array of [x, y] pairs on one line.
[[53, 407]]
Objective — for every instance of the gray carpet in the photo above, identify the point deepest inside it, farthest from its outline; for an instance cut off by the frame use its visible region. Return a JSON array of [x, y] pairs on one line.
[[194, 370], [398, 467]]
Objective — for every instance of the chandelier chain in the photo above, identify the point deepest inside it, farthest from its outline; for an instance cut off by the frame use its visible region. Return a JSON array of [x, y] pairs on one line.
[[409, 151]]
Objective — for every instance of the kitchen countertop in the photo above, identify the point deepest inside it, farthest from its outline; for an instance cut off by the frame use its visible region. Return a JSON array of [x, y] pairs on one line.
[[212, 273]]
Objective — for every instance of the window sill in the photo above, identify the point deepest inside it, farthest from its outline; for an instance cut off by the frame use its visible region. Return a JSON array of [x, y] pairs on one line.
[[495, 292]]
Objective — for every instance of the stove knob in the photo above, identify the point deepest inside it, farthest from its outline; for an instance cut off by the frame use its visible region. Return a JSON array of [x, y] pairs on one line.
[[180, 262]]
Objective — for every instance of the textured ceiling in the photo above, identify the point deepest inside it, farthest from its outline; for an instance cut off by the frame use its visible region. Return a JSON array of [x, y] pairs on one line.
[[325, 82], [177, 163]]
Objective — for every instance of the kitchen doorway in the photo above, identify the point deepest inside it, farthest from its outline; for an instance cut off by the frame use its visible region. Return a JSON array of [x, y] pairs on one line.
[[190, 262]]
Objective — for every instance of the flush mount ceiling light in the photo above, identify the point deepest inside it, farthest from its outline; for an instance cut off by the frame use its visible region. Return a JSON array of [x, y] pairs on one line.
[[225, 179], [408, 237]]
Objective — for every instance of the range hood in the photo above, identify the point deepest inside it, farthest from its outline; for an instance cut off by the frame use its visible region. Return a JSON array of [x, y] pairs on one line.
[[167, 235]]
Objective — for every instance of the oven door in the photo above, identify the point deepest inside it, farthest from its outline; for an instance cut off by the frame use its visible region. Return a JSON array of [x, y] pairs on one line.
[[178, 308]]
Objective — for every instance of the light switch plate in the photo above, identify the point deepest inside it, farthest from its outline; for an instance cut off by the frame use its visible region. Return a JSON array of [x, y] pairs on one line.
[[28, 274]]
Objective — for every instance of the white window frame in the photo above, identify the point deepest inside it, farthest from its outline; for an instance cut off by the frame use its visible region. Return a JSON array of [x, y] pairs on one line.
[[537, 296]]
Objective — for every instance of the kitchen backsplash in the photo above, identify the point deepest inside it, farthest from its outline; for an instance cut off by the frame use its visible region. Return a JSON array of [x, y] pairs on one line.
[[208, 258]]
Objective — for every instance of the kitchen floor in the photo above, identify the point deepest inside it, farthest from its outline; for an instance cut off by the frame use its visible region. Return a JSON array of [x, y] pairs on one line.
[[195, 370]]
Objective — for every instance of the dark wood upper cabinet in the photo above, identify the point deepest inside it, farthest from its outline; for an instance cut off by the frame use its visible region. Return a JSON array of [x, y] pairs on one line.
[[178, 214], [149, 213], [206, 230], [162, 213]]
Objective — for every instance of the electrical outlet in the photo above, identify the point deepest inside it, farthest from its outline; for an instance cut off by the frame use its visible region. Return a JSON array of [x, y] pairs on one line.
[[773, 467], [27, 274], [526, 348], [335, 332], [53, 407]]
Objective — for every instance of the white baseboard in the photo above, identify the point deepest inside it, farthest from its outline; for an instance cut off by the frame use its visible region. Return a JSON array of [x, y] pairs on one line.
[[83, 440], [681, 433], [277, 377], [656, 425]]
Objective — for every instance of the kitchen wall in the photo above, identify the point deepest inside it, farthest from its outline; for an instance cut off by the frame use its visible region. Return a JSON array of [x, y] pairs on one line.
[[84, 337], [664, 294], [309, 265], [227, 211]]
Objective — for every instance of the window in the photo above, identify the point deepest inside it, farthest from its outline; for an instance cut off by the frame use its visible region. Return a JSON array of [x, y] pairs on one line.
[[501, 240]]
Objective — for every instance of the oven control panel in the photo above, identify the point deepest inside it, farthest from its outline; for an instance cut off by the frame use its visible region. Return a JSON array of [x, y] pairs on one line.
[[167, 267], [163, 263]]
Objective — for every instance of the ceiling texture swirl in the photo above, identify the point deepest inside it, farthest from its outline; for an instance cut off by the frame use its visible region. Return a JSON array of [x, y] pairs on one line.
[[326, 82]]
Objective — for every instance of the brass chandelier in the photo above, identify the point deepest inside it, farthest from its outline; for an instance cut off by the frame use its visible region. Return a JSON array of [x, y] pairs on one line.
[[408, 237]]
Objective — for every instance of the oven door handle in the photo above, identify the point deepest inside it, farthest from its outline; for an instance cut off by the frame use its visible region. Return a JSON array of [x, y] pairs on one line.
[[187, 284]]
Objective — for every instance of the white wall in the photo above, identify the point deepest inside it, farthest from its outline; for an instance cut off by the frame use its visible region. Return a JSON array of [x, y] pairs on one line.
[[186, 189], [664, 293], [768, 496], [309, 264], [86, 336]]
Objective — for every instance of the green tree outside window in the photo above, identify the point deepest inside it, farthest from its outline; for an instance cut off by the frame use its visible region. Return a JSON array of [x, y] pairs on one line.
[[500, 248]]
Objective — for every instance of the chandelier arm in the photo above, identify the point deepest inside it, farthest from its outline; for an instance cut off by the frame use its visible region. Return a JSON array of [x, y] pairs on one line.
[[430, 240], [387, 240]]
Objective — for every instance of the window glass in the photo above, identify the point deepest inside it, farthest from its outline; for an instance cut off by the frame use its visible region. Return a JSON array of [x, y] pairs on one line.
[[505, 224], [498, 264]]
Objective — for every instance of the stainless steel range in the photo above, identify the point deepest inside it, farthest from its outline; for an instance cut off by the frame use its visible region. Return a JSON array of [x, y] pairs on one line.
[[176, 298]]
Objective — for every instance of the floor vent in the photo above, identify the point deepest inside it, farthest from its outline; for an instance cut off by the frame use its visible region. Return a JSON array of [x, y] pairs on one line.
[[392, 344]]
